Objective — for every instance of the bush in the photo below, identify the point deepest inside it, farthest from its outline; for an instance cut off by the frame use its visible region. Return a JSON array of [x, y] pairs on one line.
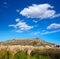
[[3, 54], [20, 55], [35, 54]]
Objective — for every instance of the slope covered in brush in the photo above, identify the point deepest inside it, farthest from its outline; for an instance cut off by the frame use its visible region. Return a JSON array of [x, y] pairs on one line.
[[30, 41]]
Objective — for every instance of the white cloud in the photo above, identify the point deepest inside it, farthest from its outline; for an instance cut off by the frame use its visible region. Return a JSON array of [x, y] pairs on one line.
[[35, 21], [17, 20], [56, 15], [17, 30], [36, 33], [53, 26], [21, 26], [12, 25], [45, 32], [41, 11], [49, 32], [17, 10], [5, 3]]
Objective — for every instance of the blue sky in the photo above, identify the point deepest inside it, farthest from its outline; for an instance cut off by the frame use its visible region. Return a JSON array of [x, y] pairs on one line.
[[30, 19]]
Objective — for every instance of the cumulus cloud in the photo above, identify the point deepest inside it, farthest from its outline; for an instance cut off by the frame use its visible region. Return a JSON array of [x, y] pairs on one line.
[[41, 11], [53, 26], [21, 26]]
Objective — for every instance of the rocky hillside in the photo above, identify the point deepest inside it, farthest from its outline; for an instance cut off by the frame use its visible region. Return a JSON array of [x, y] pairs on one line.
[[23, 42]]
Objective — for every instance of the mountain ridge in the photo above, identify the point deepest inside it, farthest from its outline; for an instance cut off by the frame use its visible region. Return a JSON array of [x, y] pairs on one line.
[[27, 41]]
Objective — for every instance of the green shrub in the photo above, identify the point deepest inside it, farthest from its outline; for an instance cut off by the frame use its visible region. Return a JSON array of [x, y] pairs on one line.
[[10, 55], [35, 54], [20, 55], [3, 54]]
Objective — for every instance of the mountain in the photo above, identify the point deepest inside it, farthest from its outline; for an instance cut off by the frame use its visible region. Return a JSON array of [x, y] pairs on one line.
[[30, 42]]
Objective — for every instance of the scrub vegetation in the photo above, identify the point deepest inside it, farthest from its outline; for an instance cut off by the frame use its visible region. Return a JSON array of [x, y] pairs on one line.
[[28, 49]]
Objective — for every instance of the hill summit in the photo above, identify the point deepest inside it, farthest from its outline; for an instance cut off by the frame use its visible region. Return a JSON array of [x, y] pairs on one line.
[[28, 41]]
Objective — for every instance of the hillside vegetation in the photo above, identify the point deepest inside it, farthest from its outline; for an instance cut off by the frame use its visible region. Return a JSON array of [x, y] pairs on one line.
[[31, 42], [18, 53], [34, 48]]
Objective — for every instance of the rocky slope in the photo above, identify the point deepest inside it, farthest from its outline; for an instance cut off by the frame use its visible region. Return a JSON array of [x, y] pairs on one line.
[[30, 42]]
